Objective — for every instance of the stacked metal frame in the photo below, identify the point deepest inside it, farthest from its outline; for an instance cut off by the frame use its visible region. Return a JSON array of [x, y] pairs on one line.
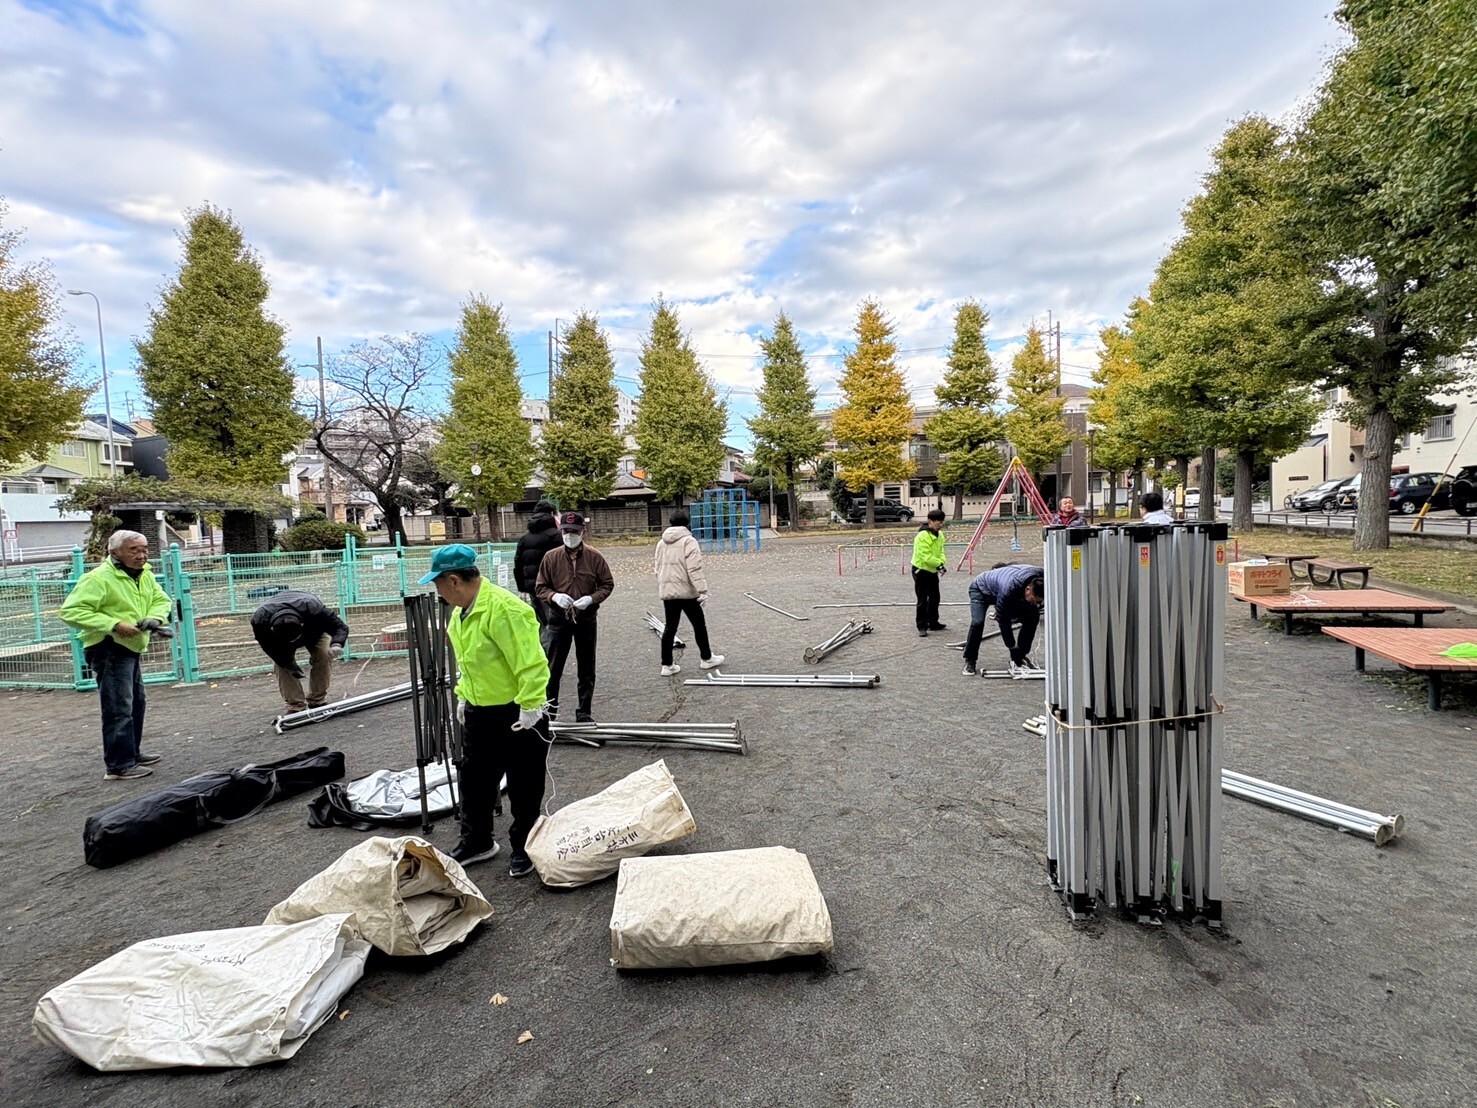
[[290, 720], [1135, 620], [854, 629], [727, 737], [716, 679], [433, 676], [661, 629]]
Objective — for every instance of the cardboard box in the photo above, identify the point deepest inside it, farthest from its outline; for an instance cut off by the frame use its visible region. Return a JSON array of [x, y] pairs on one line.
[[1258, 579]]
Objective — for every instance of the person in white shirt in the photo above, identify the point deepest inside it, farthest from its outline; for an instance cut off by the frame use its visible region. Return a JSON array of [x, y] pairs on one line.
[[1151, 504]]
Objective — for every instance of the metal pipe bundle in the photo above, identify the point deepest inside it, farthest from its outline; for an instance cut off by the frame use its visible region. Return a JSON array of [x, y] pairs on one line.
[[1356, 821], [787, 680], [692, 736], [661, 629], [1135, 619], [290, 720], [853, 630], [438, 733]]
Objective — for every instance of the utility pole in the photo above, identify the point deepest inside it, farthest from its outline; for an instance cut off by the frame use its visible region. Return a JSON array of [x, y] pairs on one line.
[[551, 365], [323, 422], [1059, 392]]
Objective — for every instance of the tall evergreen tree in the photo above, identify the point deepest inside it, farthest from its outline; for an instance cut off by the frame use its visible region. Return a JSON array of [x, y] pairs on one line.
[[1034, 423], [580, 448], [38, 396], [486, 428], [968, 429], [1386, 165], [1230, 332], [680, 423], [875, 419], [213, 362], [786, 433]]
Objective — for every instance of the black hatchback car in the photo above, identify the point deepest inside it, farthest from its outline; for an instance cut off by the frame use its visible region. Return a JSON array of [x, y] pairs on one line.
[[1409, 493], [886, 511], [1464, 491], [1320, 498]]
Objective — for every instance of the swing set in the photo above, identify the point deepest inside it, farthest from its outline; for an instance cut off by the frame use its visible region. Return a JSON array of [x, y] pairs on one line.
[[1016, 475]]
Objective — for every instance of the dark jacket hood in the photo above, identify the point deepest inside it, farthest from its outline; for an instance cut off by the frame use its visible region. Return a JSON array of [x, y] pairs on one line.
[[541, 523]]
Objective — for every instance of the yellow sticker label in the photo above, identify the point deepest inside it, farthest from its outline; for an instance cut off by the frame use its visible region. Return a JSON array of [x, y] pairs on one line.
[[1144, 555], [1076, 558]]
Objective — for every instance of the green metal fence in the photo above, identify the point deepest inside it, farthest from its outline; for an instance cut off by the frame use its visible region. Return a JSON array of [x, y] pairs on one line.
[[214, 597]]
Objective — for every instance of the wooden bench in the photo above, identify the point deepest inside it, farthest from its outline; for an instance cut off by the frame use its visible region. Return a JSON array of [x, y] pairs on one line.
[[1415, 649], [1336, 571], [1359, 602], [1290, 557]]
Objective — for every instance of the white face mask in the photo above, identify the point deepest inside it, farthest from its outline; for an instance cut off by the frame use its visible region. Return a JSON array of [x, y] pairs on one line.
[[572, 540]]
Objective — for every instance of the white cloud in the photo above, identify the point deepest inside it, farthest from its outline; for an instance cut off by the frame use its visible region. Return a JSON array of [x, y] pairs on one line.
[[388, 159]]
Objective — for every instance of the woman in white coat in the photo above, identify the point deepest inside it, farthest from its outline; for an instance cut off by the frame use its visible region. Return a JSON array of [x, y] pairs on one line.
[[683, 587]]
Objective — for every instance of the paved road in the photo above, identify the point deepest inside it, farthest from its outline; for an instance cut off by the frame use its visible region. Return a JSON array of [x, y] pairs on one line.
[[1437, 523]]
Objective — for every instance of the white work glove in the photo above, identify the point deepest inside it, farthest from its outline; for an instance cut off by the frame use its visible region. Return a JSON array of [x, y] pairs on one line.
[[461, 710], [528, 719], [564, 600], [702, 598], [335, 651], [584, 602]]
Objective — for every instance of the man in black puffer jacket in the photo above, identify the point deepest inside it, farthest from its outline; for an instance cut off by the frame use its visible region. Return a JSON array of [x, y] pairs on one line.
[[542, 537]]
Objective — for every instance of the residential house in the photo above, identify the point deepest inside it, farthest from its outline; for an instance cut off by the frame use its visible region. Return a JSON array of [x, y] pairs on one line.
[[31, 525]]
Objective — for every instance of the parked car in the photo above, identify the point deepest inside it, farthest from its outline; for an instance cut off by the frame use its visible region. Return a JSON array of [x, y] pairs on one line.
[[1192, 499], [1409, 492], [886, 511], [1320, 498], [1464, 491]]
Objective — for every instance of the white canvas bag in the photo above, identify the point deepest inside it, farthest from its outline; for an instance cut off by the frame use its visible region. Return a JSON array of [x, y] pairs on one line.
[[238, 997], [586, 840], [405, 895], [717, 909]]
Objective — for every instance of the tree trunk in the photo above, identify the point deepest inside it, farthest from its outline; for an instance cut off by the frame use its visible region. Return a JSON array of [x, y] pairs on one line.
[[1209, 489], [494, 525], [790, 496], [1111, 507], [393, 523], [1136, 494], [1372, 522], [1241, 521], [871, 505], [959, 502]]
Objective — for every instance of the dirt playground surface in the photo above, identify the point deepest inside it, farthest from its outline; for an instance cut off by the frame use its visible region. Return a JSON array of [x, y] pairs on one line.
[[1345, 974]]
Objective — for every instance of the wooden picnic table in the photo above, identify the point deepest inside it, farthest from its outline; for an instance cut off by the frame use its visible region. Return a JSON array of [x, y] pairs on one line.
[[1337, 570], [1335, 602], [1413, 648], [1291, 557]]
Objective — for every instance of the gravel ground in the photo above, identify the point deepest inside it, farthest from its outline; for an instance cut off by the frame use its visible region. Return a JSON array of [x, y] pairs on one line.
[[1344, 975]]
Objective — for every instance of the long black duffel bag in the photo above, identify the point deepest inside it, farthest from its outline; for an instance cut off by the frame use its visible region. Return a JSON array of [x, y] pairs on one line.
[[133, 828]]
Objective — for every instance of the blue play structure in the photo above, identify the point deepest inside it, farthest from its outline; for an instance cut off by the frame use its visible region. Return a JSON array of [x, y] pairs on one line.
[[725, 521]]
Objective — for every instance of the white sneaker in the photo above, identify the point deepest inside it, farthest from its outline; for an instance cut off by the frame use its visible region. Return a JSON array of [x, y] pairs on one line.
[[712, 663], [671, 671]]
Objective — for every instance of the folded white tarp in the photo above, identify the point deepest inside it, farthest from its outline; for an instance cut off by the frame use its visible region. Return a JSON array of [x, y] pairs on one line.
[[405, 895], [238, 997], [717, 909], [396, 793], [586, 840]]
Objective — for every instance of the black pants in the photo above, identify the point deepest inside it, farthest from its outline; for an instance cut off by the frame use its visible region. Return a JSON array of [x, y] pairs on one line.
[[541, 613], [675, 610], [926, 589], [581, 632], [120, 687], [490, 749]]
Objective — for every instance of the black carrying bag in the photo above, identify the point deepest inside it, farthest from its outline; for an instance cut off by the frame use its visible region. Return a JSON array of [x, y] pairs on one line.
[[133, 828]]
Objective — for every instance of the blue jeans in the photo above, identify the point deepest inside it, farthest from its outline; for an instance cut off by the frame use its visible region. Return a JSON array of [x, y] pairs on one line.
[[979, 603], [120, 687]]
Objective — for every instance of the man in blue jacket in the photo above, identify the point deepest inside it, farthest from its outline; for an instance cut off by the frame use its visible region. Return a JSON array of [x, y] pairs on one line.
[[1016, 593]]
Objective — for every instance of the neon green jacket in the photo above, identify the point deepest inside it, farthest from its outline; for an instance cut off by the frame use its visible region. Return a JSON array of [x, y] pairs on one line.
[[497, 649], [928, 550], [107, 596]]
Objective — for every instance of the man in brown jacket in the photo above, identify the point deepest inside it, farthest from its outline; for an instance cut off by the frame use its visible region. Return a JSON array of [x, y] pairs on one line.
[[573, 580]]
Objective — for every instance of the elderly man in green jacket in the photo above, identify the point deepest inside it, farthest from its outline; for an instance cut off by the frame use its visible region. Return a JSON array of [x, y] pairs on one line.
[[114, 608], [504, 678], [929, 563]]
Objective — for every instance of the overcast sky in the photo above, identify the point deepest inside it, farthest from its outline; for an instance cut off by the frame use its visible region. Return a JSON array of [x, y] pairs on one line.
[[388, 159]]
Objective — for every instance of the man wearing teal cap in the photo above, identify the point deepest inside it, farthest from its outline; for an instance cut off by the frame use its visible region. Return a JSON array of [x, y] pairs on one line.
[[500, 694]]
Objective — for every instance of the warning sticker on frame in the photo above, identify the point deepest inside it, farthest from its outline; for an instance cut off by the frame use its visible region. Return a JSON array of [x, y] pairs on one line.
[[1076, 558], [1220, 553], [1144, 555]]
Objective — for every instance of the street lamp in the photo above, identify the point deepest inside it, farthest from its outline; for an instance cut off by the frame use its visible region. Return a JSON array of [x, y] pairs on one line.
[[102, 354]]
